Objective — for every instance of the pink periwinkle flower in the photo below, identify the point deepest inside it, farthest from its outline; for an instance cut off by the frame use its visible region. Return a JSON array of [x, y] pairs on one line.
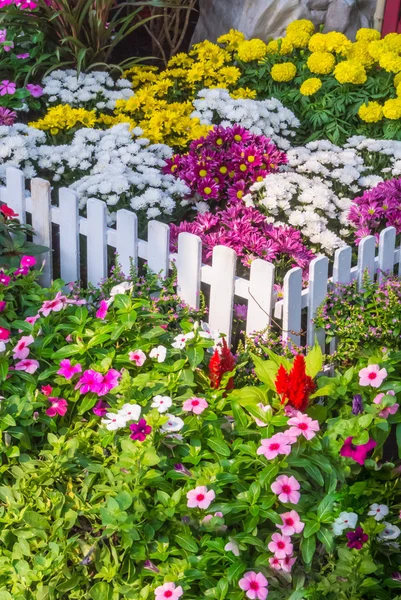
[[21, 350], [195, 405], [68, 370], [277, 444], [22, 56], [90, 381], [138, 357], [32, 320], [372, 375], [254, 585], [3, 305], [3, 32], [28, 261], [291, 523], [168, 591], [357, 453], [200, 497], [35, 90], [28, 365], [21, 271], [275, 563], [286, 489], [280, 545], [101, 408], [58, 407], [7, 87], [303, 425], [387, 410], [287, 563], [102, 310], [46, 390], [55, 305]]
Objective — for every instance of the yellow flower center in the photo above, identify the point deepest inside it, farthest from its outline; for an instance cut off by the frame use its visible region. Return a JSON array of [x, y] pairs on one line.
[[207, 190], [251, 159], [240, 193], [219, 141], [242, 167], [237, 138], [174, 168], [202, 173], [223, 170]]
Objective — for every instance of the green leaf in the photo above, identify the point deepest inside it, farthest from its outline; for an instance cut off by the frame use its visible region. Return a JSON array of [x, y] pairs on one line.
[[87, 403], [195, 356], [297, 595], [69, 350], [266, 370], [308, 547], [249, 395], [314, 361], [235, 571], [326, 537], [325, 507], [367, 566], [150, 458], [315, 474], [268, 474], [101, 591], [219, 446], [398, 437], [310, 528], [187, 542], [124, 500], [34, 519]]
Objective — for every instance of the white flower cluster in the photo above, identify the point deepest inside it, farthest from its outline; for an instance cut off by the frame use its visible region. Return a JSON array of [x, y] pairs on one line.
[[385, 154], [86, 90], [18, 148], [261, 117]]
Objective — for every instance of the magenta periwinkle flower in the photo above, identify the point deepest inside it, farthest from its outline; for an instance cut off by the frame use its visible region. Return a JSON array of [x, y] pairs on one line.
[[4, 279], [58, 407], [357, 453], [28, 261], [35, 90], [357, 538], [102, 310], [7, 116], [100, 409], [254, 585], [3, 305], [67, 370], [7, 87], [140, 430]]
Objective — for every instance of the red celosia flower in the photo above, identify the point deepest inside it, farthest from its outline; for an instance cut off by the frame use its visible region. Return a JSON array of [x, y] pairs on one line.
[[220, 363], [296, 386]]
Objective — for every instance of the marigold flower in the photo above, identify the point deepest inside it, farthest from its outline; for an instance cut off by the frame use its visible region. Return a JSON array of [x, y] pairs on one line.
[[367, 35], [321, 63], [372, 112], [310, 86], [250, 50], [392, 109], [283, 72], [280, 46], [350, 71], [390, 62]]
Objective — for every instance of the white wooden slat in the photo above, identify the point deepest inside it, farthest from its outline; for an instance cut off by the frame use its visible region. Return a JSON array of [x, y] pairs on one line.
[[318, 275], [222, 290], [15, 192], [386, 252], [342, 265], [158, 249], [189, 264], [96, 241], [69, 235], [42, 224], [260, 303], [366, 258], [292, 306], [127, 239]]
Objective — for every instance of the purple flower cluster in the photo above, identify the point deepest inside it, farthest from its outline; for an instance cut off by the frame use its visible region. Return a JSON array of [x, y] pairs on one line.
[[245, 230], [224, 164], [376, 209]]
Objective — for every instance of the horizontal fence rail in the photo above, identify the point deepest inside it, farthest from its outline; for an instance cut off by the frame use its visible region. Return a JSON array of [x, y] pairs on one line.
[[298, 304]]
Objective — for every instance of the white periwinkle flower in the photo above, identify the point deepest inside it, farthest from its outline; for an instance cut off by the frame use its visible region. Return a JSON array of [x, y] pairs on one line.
[[345, 520], [162, 403], [173, 424], [159, 353], [378, 511], [390, 532]]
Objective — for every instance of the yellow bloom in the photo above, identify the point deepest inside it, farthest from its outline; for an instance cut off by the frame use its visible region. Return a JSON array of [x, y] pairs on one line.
[[301, 25], [367, 35], [370, 112], [359, 51], [283, 72], [210, 54], [390, 62], [321, 62], [337, 42], [318, 42], [62, 118], [162, 87], [298, 38], [393, 42], [243, 93], [397, 79], [180, 60], [230, 74], [280, 46], [251, 50], [350, 71], [310, 86], [376, 48], [392, 109], [232, 39]]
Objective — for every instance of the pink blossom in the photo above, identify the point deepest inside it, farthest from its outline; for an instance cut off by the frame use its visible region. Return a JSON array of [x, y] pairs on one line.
[[287, 489], [254, 585], [287, 563], [387, 410], [200, 497], [21, 271], [303, 425], [195, 405], [168, 591], [7, 87], [272, 447], [90, 381], [5, 279], [357, 452], [102, 310], [291, 523], [109, 382], [68, 370], [46, 390], [21, 350], [68, 338], [55, 305], [3, 305], [28, 261], [58, 407], [280, 545], [22, 56], [372, 375], [275, 563], [138, 357], [32, 320], [29, 365], [4, 334], [100, 409], [35, 90]]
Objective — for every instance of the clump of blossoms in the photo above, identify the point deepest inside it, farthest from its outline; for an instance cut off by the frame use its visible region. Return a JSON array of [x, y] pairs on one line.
[[219, 168]]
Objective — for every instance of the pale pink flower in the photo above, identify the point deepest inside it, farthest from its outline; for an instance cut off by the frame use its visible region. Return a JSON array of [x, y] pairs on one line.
[[138, 357], [275, 563], [195, 405], [58, 407], [68, 370], [303, 425], [372, 375], [6, 86], [387, 410], [280, 545], [287, 489], [263, 408], [102, 310], [232, 547], [168, 591], [272, 447], [291, 523], [287, 563], [29, 365], [55, 305], [254, 585], [200, 497], [32, 320], [21, 350]]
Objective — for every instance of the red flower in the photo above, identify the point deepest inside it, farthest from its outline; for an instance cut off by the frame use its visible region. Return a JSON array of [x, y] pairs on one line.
[[7, 211], [296, 386], [220, 363]]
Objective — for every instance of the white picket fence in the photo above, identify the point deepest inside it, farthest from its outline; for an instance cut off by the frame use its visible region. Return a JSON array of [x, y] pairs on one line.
[[258, 291]]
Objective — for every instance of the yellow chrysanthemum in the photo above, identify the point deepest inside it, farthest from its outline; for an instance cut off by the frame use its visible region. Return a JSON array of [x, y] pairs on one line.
[[310, 86], [229, 74], [397, 79], [337, 42], [210, 54], [321, 63], [232, 39], [180, 60], [242, 93], [350, 71], [372, 112], [392, 109], [283, 72], [251, 50], [359, 51], [62, 118], [367, 35], [280, 46], [318, 42], [390, 62]]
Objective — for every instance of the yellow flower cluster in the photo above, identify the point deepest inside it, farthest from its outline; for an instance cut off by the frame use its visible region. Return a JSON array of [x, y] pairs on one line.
[[350, 71], [283, 71], [329, 42], [63, 117], [310, 86], [392, 109], [251, 50], [231, 40], [390, 62], [299, 33], [321, 63], [280, 46], [371, 112]]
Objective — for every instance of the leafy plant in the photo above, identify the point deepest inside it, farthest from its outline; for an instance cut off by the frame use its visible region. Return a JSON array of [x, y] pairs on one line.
[[13, 239]]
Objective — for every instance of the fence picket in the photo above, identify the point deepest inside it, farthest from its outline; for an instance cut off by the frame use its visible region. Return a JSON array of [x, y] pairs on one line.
[[69, 235], [97, 241], [15, 192], [159, 247], [386, 252], [222, 290], [127, 239], [366, 258], [318, 275], [42, 224], [341, 274], [292, 307], [189, 264], [260, 303]]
